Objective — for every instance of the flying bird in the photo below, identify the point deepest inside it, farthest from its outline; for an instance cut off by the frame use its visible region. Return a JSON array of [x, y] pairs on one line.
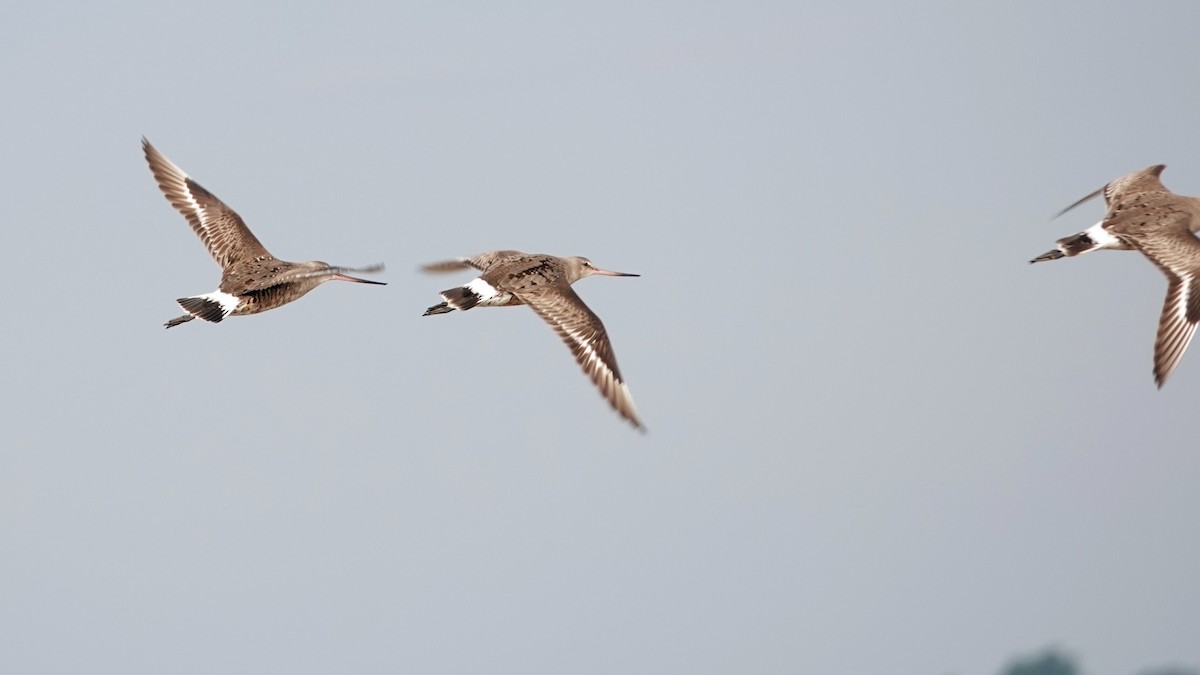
[[252, 280], [1144, 215], [544, 283]]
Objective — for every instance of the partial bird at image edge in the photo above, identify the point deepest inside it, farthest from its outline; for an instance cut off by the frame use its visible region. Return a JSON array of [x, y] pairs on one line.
[[1143, 215]]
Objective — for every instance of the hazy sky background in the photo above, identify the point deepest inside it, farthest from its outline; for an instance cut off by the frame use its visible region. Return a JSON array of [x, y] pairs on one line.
[[880, 441]]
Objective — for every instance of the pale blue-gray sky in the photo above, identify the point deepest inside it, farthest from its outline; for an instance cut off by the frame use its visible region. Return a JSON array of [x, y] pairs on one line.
[[879, 440]]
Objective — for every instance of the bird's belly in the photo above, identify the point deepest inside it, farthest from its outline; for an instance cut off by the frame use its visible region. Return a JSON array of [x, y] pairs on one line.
[[501, 299], [254, 302]]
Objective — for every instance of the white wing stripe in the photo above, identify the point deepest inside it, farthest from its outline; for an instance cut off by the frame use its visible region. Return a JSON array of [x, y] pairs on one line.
[[180, 178]]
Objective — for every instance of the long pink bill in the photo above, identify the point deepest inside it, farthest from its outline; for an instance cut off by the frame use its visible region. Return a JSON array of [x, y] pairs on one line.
[[610, 273]]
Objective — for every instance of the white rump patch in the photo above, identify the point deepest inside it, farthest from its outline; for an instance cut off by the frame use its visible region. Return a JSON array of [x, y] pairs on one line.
[[483, 289], [1103, 238], [227, 301]]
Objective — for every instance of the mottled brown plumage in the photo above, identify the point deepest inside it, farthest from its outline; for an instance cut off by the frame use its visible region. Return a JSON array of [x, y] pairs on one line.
[[252, 280], [1144, 215], [1143, 181], [544, 283]]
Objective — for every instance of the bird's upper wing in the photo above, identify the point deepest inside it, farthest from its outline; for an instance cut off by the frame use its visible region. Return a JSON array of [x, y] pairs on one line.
[[1164, 236], [584, 334], [481, 262], [218, 226], [1143, 180]]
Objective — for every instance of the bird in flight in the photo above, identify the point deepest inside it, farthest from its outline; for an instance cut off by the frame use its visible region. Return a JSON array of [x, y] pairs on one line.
[[544, 283], [1144, 215], [252, 280]]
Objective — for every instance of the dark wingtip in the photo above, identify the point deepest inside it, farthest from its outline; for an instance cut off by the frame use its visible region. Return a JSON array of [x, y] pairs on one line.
[[1093, 195], [443, 266]]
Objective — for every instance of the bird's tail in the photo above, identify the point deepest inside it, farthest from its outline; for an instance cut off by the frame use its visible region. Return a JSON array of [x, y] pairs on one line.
[[463, 297], [210, 307]]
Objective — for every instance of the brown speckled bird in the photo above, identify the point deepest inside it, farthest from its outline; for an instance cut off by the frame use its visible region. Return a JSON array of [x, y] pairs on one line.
[[544, 283], [252, 280], [1146, 216]]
